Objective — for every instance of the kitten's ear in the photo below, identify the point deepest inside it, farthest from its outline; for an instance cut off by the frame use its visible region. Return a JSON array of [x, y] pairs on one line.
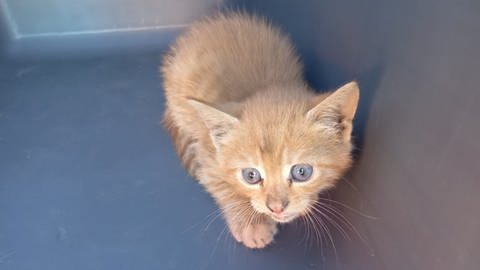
[[218, 122], [335, 113]]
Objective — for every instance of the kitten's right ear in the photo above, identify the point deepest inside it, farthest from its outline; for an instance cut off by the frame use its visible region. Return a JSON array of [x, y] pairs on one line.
[[335, 113], [219, 123]]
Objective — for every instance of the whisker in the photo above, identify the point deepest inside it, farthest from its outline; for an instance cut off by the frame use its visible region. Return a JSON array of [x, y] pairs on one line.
[[337, 214], [331, 209], [341, 217], [333, 222], [216, 243], [306, 232], [322, 245], [354, 188], [204, 219], [240, 215], [251, 218], [220, 211], [315, 231], [349, 208], [319, 231], [327, 232]]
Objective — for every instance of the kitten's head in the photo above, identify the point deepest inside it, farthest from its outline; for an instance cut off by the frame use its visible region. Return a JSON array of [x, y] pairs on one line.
[[281, 151]]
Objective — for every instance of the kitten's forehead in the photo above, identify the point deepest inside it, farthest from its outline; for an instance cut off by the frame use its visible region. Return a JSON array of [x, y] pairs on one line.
[[274, 151], [285, 137], [276, 135]]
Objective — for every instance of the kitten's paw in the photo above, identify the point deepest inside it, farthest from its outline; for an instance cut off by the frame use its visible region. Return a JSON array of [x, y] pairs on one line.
[[255, 235]]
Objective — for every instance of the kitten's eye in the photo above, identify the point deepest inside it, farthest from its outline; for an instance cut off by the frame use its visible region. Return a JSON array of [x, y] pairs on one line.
[[251, 176], [301, 172]]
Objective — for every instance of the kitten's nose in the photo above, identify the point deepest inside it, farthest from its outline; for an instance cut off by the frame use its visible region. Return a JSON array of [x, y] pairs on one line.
[[277, 207]]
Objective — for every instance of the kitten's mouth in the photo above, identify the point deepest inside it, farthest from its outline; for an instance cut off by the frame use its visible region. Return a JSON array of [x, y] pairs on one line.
[[283, 218]]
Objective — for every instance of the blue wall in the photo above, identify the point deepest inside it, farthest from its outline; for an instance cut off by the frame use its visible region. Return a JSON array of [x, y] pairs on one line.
[[47, 17], [50, 27]]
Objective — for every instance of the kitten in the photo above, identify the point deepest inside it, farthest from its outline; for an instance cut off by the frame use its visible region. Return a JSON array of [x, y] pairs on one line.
[[248, 127]]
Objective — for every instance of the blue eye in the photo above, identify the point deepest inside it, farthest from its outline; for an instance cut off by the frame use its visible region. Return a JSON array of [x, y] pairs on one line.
[[301, 172], [251, 176]]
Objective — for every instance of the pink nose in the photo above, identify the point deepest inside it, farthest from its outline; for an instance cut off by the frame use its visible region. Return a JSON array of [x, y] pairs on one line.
[[276, 207]]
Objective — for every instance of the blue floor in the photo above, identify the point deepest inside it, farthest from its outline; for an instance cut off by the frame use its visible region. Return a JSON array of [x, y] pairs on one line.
[[89, 179]]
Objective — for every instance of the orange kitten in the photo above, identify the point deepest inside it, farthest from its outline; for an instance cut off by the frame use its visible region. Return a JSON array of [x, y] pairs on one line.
[[247, 126]]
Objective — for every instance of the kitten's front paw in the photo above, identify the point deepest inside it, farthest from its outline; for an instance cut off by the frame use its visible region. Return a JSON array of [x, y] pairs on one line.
[[255, 235]]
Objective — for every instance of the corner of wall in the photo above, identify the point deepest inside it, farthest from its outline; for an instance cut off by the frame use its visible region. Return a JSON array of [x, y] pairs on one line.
[[8, 30]]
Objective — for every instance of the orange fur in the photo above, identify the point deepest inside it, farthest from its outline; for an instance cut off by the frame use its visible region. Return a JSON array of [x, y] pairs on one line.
[[236, 99]]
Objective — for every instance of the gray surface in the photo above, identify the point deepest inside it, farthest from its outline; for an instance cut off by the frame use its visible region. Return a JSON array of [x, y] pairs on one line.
[[89, 180]]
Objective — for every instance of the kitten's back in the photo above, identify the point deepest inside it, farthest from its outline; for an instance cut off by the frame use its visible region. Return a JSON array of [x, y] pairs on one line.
[[221, 61], [227, 58]]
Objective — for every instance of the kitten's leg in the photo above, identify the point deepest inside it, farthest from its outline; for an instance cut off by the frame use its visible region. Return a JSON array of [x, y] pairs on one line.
[[250, 228]]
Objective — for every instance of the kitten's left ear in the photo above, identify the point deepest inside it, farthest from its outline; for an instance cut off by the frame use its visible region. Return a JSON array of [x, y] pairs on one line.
[[218, 122], [335, 113]]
